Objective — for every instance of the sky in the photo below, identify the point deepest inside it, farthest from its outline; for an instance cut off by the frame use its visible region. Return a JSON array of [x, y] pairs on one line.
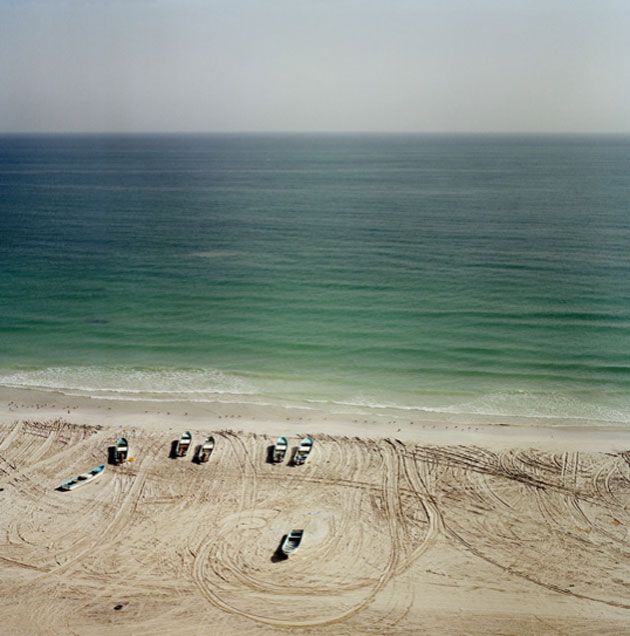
[[315, 65]]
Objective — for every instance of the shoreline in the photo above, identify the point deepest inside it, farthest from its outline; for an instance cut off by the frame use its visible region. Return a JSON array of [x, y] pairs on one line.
[[372, 423]]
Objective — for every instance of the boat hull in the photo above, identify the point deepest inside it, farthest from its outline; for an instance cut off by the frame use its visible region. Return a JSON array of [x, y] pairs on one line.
[[83, 478], [183, 445], [292, 542]]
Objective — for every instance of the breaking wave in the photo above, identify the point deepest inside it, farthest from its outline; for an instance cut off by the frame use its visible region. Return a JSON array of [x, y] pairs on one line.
[[212, 385], [125, 383], [520, 404]]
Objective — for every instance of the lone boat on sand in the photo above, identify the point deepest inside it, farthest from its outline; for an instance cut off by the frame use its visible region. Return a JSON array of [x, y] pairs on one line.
[[183, 444], [83, 478], [303, 451], [280, 450], [205, 450], [121, 452], [292, 542]]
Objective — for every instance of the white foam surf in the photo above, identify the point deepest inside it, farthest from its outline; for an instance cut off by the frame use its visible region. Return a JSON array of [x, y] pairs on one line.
[[520, 404], [127, 383], [214, 386]]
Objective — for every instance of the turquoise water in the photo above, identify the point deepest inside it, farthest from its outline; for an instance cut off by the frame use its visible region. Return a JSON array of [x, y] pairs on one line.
[[461, 274]]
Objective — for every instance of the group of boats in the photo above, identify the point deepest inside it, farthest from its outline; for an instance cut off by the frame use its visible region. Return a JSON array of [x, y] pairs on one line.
[[119, 453], [293, 539], [281, 448], [203, 452]]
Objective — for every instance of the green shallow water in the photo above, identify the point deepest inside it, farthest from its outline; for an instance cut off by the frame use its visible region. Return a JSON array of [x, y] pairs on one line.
[[461, 274]]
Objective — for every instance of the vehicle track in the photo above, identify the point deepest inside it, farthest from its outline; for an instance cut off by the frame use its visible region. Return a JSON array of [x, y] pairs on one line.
[[431, 510], [390, 496], [528, 577], [109, 533], [10, 436], [183, 540]]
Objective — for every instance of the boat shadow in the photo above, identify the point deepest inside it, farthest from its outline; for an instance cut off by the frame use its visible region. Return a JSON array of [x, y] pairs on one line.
[[295, 457], [173, 451], [196, 458], [279, 555]]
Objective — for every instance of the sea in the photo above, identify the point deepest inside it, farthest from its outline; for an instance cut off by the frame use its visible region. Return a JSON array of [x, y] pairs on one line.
[[458, 274]]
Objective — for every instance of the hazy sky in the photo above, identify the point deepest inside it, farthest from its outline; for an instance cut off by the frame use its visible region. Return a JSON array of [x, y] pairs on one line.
[[315, 65]]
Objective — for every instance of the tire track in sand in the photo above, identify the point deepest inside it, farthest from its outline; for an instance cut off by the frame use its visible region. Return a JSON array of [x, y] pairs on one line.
[[113, 528], [431, 510], [11, 435], [390, 496], [527, 577]]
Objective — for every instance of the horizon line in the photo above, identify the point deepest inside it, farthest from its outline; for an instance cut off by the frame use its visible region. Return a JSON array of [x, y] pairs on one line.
[[315, 132]]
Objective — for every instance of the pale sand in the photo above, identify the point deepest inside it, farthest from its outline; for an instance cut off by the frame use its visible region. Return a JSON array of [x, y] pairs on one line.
[[432, 527]]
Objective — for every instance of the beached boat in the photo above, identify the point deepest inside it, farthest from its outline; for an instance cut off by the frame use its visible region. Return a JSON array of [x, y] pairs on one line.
[[280, 450], [303, 451], [121, 452], [83, 478], [183, 444], [292, 542], [205, 450]]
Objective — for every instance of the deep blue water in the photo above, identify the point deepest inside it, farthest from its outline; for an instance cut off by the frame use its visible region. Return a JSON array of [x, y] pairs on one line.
[[487, 274]]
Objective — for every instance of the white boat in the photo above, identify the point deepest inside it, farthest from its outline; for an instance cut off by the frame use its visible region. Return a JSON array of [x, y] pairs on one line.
[[303, 451], [122, 451], [183, 444], [205, 450], [292, 542], [83, 478], [280, 450]]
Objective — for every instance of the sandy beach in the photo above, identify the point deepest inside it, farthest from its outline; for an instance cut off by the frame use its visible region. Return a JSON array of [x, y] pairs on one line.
[[433, 527], [389, 238]]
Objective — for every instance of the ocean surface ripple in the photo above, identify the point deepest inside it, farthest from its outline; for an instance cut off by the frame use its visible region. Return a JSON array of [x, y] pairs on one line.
[[440, 273]]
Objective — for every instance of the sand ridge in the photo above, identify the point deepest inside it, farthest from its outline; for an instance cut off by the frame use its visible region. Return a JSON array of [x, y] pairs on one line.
[[399, 537]]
